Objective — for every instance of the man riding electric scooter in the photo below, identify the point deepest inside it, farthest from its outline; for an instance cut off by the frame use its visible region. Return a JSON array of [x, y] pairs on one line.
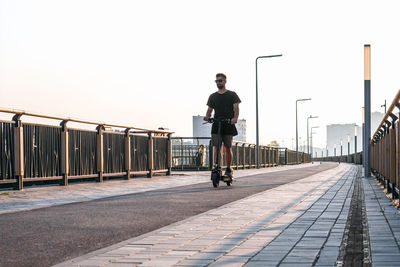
[[225, 104]]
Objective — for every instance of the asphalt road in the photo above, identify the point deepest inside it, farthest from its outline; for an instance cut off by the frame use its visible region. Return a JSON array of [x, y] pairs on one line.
[[47, 236]]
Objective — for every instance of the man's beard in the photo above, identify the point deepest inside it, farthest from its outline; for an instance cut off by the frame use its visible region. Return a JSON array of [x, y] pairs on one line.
[[220, 86]]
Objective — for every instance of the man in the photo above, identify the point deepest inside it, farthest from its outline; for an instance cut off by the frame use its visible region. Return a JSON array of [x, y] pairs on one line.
[[225, 103]]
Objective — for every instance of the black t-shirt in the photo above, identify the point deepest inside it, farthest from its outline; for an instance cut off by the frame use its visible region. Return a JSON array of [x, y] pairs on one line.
[[223, 108]]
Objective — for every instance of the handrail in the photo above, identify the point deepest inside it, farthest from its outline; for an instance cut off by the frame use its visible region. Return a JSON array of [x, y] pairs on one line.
[[396, 100], [233, 141], [21, 112]]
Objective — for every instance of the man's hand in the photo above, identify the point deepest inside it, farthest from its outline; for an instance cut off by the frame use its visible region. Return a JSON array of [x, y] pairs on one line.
[[206, 118], [234, 121]]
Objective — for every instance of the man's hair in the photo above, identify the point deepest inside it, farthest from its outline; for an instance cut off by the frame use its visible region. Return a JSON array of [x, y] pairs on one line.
[[220, 75]]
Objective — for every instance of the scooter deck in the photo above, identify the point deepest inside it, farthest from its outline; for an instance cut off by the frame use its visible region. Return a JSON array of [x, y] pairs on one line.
[[227, 178]]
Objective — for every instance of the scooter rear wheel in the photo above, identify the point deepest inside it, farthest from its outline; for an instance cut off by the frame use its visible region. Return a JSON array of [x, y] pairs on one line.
[[215, 179]]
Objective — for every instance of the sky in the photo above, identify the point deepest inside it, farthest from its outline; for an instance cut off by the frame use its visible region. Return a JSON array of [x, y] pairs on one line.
[[152, 63]]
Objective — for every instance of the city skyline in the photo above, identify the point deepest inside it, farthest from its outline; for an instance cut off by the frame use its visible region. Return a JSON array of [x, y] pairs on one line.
[[153, 64]]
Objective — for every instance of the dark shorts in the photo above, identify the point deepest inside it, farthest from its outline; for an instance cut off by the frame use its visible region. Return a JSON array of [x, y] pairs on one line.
[[226, 139]]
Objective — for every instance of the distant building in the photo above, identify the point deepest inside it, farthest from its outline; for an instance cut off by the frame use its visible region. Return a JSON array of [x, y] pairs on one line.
[[204, 130], [337, 134]]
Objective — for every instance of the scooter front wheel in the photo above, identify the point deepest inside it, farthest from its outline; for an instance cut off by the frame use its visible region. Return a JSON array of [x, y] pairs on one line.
[[215, 179]]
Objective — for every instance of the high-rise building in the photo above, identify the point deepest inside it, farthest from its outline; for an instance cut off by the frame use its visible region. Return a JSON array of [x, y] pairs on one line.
[[337, 135], [204, 130]]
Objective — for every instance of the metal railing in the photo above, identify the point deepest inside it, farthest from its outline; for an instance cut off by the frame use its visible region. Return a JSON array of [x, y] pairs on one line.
[[385, 149], [352, 158], [196, 153], [34, 152]]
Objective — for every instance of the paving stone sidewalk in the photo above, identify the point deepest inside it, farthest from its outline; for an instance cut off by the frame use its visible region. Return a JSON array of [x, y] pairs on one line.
[[46, 196], [383, 226], [300, 223]]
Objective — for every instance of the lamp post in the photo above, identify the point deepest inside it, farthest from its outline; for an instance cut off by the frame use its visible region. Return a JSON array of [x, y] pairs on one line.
[[334, 150], [348, 148], [384, 106], [257, 136], [308, 145], [367, 109], [363, 137], [297, 131], [348, 144], [355, 144], [341, 147], [311, 145]]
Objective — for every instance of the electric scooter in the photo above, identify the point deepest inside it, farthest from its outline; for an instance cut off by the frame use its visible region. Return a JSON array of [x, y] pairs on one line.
[[216, 173]]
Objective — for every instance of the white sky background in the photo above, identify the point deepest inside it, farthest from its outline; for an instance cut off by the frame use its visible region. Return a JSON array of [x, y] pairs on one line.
[[153, 63]]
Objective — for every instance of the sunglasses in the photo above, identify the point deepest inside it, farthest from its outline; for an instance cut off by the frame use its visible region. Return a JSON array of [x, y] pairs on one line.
[[219, 81]]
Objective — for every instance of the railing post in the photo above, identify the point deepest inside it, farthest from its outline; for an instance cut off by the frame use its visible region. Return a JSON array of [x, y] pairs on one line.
[[397, 151], [18, 152], [182, 155], [286, 156], [127, 154], [265, 157], [237, 157], [211, 155], [250, 156], [150, 155], [244, 156], [169, 155], [64, 153], [100, 152], [269, 157]]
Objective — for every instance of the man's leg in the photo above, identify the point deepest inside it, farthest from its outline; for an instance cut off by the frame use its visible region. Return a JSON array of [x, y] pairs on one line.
[[228, 156], [217, 143], [215, 155]]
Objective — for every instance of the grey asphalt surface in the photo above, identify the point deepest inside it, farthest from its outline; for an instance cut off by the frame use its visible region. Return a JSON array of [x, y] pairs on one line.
[[48, 236]]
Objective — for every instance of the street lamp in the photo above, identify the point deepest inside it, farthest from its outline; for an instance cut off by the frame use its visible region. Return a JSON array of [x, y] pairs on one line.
[[297, 131], [334, 150], [355, 143], [257, 136], [367, 109], [348, 144], [341, 147], [308, 145], [311, 139], [348, 148], [384, 106], [363, 137]]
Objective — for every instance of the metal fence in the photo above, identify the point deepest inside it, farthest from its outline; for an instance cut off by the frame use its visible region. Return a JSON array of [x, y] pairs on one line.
[[34, 152], [352, 158], [385, 149], [7, 168], [195, 153]]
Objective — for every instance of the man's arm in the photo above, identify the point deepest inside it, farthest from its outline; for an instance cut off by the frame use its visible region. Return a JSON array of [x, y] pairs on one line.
[[208, 113], [235, 113]]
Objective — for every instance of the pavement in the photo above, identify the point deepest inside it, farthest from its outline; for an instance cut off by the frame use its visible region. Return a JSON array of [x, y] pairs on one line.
[[36, 197], [332, 218]]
